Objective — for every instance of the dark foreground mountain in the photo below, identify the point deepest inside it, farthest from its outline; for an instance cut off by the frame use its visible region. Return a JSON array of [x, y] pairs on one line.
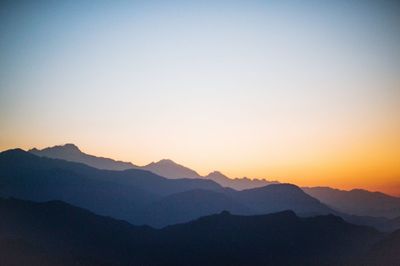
[[357, 201], [72, 153], [55, 233], [385, 252]]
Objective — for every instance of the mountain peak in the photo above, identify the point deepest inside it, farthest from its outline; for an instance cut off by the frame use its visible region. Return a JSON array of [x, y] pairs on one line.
[[71, 146], [170, 169], [284, 187], [15, 152], [216, 174], [68, 147], [71, 152], [166, 161], [16, 155]]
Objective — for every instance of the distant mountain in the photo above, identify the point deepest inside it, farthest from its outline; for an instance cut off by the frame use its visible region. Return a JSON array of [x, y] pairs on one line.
[[278, 197], [121, 194], [139, 196], [166, 168], [188, 205], [170, 169], [71, 152], [142, 197], [51, 234], [237, 183], [357, 201]]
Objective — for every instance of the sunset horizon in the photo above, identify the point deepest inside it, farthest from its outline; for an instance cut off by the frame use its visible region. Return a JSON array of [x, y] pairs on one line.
[[215, 132], [390, 188], [309, 96]]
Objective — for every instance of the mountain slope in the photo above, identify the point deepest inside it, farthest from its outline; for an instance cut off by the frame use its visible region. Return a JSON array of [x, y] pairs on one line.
[[166, 168], [385, 252], [170, 169], [121, 194], [278, 197], [51, 232], [188, 205], [71, 152], [357, 201], [237, 183], [141, 197]]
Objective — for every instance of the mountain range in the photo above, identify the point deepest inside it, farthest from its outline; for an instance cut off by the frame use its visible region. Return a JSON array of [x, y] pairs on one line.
[[238, 183], [355, 202], [61, 212], [142, 197], [71, 152], [56, 233], [139, 196], [165, 167]]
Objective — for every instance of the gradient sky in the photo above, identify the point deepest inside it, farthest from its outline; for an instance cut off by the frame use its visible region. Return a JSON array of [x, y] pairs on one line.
[[296, 91]]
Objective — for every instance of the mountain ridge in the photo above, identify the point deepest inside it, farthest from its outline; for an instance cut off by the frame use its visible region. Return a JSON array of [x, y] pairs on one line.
[[164, 167], [129, 194], [71, 152], [50, 233], [357, 201]]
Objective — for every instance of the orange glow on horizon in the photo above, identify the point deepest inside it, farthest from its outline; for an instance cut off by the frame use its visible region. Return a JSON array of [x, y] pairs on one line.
[[374, 167]]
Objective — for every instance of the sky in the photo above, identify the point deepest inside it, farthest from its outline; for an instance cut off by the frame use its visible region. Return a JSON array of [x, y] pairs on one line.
[[306, 92]]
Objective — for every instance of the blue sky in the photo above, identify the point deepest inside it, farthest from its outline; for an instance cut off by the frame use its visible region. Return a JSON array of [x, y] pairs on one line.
[[260, 88]]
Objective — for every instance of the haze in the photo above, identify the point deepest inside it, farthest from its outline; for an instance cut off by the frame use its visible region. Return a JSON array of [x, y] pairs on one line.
[[307, 93]]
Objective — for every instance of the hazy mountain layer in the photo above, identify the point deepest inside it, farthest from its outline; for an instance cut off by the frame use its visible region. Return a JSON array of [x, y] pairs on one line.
[[238, 183], [357, 201], [170, 169], [166, 168], [121, 194], [142, 197]]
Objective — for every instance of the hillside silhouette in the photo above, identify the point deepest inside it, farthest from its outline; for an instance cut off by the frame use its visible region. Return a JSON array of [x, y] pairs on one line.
[[57, 233], [141, 197], [165, 167]]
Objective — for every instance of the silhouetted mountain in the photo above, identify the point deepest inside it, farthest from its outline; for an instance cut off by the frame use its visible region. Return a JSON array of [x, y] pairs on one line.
[[166, 168], [170, 169], [381, 223], [121, 194], [396, 220], [71, 152], [55, 233], [278, 197], [357, 201], [142, 197], [238, 183], [385, 252], [188, 205], [275, 239]]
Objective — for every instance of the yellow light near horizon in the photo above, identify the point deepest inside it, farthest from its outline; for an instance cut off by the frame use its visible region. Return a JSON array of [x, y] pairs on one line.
[[371, 163]]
